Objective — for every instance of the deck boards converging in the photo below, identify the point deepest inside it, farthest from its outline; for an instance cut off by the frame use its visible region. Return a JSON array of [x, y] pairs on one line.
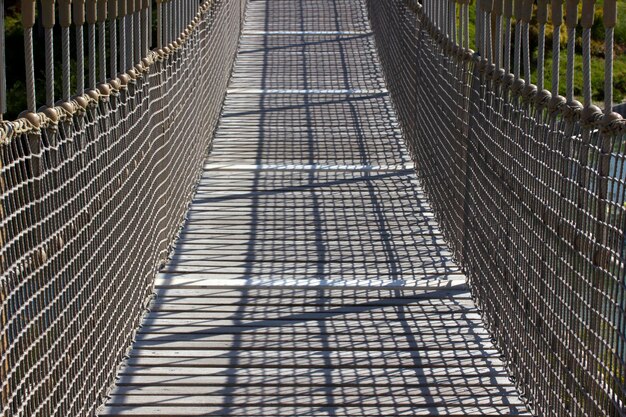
[[311, 277]]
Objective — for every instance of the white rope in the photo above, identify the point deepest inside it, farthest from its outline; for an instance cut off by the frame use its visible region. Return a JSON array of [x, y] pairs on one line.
[[159, 37], [80, 61], [49, 67], [138, 41], [506, 55], [130, 60], [526, 52], [541, 50], [3, 76], [30, 69], [608, 69], [65, 63], [478, 30], [556, 58], [91, 49], [466, 35], [147, 32], [112, 48], [571, 45], [453, 20], [497, 50], [102, 47], [517, 50], [587, 67], [122, 44], [488, 37]]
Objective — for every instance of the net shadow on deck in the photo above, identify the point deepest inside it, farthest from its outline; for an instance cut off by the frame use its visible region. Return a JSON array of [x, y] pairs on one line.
[[311, 277]]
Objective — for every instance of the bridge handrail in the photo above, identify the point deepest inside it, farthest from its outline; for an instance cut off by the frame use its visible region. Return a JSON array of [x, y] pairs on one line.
[[92, 193], [529, 186]]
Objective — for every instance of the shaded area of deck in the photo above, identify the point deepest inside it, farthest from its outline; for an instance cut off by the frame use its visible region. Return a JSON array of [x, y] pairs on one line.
[[311, 277]]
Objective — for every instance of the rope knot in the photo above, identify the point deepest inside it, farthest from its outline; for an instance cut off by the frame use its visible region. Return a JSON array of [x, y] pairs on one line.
[[82, 103], [555, 104], [490, 71], [498, 76], [613, 124], [542, 99], [481, 64], [590, 116], [6, 132], [517, 87], [508, 80], [572, 111], [115, 87], [529, 92]]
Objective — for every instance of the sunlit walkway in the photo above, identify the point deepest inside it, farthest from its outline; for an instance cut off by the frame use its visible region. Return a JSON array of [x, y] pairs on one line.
[[311, 277]]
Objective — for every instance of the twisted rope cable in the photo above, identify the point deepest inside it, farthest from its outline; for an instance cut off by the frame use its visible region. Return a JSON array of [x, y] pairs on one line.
[[130, 49], [541, 51], [65, 63], [497, 50], [80, 61], [571, 49], [608, 69], [586, 67], [112, 47], [517, 50], [30, 69], [102, 47], [91, 50], [506, 55], [526, 52], [48, 35], [556, 58], [3, 77], [123, 47], [137, 38]]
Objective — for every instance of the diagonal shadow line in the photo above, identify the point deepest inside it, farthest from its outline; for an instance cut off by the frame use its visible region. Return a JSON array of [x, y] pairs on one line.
[[350, 98], [305, 44], [303, 187], [445, 293]]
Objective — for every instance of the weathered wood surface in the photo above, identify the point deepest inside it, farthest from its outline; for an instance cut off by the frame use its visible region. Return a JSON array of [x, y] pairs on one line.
[[311, 278]]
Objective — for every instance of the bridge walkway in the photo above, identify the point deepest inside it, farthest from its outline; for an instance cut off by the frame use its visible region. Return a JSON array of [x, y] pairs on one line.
[[311, 277]]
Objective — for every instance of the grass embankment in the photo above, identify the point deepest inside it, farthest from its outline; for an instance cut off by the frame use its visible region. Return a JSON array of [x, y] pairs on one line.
[[597, 55]]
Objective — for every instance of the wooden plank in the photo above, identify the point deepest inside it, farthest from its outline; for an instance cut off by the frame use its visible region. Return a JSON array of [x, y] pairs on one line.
[[332, 295], [367, 360], [318, 411], [338, 399], [481, 356], [498, 392]]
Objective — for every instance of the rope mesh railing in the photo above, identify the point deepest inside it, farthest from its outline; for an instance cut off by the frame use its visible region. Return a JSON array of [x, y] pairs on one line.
[[530, 187], [92, 193]]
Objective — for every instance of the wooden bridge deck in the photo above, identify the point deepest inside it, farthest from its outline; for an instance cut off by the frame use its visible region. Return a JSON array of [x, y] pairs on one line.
[[311, 277]]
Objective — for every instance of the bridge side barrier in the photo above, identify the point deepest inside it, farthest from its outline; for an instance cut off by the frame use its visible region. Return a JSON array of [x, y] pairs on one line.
[[93, 190], [529, 186]]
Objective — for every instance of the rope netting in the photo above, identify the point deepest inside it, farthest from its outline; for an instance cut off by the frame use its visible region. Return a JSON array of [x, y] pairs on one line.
[[92, 192], [529, 187]]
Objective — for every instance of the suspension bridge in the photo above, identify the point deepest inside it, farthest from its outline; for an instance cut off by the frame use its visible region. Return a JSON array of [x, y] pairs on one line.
[[323, 207]]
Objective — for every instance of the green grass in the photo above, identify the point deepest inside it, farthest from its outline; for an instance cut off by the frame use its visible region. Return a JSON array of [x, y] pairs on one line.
[[597, 61]]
